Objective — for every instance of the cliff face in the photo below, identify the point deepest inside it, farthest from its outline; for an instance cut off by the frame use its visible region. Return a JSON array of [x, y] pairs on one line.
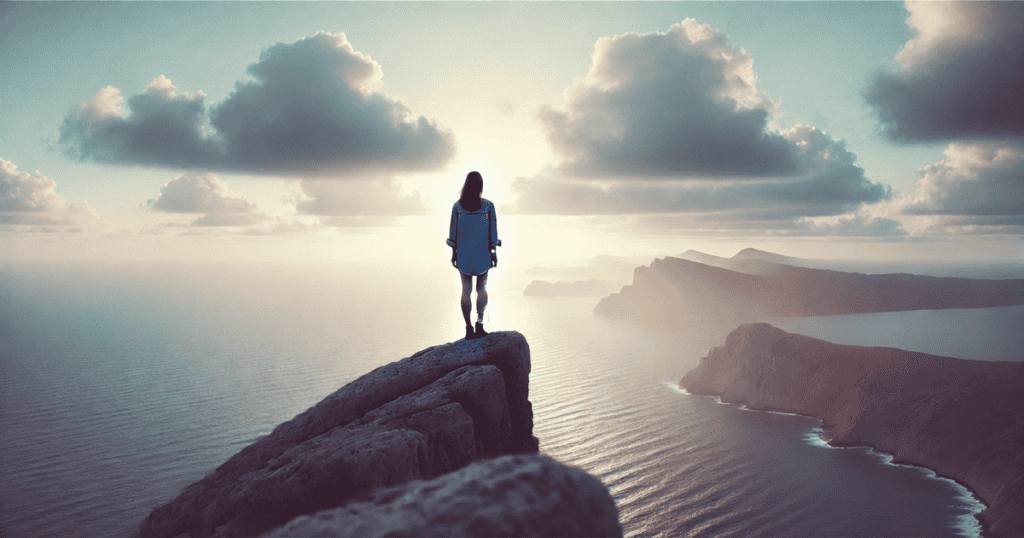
[[673, 290], [426, 415], [963, 419]]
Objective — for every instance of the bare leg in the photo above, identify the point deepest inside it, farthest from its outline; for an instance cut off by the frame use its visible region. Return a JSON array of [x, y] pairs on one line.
[[481, 296], [467, 287]]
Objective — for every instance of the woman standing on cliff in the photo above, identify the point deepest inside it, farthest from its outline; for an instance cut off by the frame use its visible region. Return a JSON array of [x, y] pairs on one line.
[[473, 236]]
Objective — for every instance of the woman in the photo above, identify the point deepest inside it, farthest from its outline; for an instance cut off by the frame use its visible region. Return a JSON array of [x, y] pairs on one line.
[[473, 236]]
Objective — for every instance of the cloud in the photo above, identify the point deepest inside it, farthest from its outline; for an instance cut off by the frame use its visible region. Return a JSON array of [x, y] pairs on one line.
[[961, 77], [358, 198], [984, 179], [669, 128], [196, 192], [311, 108], [667, 105], [976, 189], [830, 183], [28, 202]]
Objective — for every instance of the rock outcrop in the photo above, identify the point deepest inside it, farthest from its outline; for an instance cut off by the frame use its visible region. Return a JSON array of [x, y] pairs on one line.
[[964, 419], [673, 291], [418, 418], [507, 496]]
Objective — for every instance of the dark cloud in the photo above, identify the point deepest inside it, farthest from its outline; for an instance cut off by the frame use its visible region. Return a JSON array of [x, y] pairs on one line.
[[978, 179], [312, 108], [830, 183], [667, 105], [961, 77], [28, 202], [358, 198], [669, 126]]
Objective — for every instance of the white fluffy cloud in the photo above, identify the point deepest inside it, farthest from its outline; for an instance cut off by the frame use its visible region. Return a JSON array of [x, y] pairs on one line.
[[977, 188], [961, 77], [195, 192], [667, 105], [979, 179], [311, 108], [28, 202]]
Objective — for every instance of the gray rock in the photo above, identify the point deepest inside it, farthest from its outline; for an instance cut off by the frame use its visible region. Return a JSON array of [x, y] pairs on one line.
[[417, 418], [507, 496]]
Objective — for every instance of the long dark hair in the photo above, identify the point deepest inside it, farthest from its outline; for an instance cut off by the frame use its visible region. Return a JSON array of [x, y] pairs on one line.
[[469, 196]]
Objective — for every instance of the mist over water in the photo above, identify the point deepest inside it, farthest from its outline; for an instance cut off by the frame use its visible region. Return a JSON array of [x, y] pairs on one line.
[[987, 334], [122, 384]]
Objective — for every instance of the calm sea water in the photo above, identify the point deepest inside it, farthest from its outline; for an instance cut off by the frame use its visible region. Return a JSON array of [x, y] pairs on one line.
[[121, 385]]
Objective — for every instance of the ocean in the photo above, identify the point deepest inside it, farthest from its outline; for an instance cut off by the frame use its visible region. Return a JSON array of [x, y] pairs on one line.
[[122, 384]]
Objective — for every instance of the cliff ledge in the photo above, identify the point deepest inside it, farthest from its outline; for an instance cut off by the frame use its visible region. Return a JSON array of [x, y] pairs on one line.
[[440, 410]]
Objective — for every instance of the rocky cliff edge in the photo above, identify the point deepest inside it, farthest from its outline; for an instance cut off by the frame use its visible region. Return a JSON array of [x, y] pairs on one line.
[[437, 411]]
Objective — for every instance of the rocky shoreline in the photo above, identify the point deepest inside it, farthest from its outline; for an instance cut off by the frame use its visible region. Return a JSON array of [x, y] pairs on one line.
[[963, 419]]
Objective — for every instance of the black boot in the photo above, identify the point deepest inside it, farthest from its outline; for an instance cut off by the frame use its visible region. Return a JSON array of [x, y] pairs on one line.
[[480, 332], [469, 333]]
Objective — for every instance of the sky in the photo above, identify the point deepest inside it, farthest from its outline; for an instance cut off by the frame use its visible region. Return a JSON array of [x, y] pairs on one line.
[[343, 131]]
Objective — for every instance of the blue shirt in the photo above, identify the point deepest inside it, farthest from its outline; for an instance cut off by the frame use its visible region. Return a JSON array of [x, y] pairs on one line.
[[473, 234]]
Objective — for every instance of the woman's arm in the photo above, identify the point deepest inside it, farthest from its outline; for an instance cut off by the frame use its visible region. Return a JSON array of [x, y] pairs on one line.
[[453, 227], [492, 221]]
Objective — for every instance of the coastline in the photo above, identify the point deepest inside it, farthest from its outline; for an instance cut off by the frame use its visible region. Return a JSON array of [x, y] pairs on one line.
[[954, 417], [971, 497]]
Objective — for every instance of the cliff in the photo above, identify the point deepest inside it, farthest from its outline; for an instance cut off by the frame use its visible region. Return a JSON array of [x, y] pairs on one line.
[[673, 291], [963, 419], [426, 415]]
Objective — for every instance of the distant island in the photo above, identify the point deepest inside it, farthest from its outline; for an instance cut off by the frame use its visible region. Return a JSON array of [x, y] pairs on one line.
[[964, 419], [579, 288], [673, 290]]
